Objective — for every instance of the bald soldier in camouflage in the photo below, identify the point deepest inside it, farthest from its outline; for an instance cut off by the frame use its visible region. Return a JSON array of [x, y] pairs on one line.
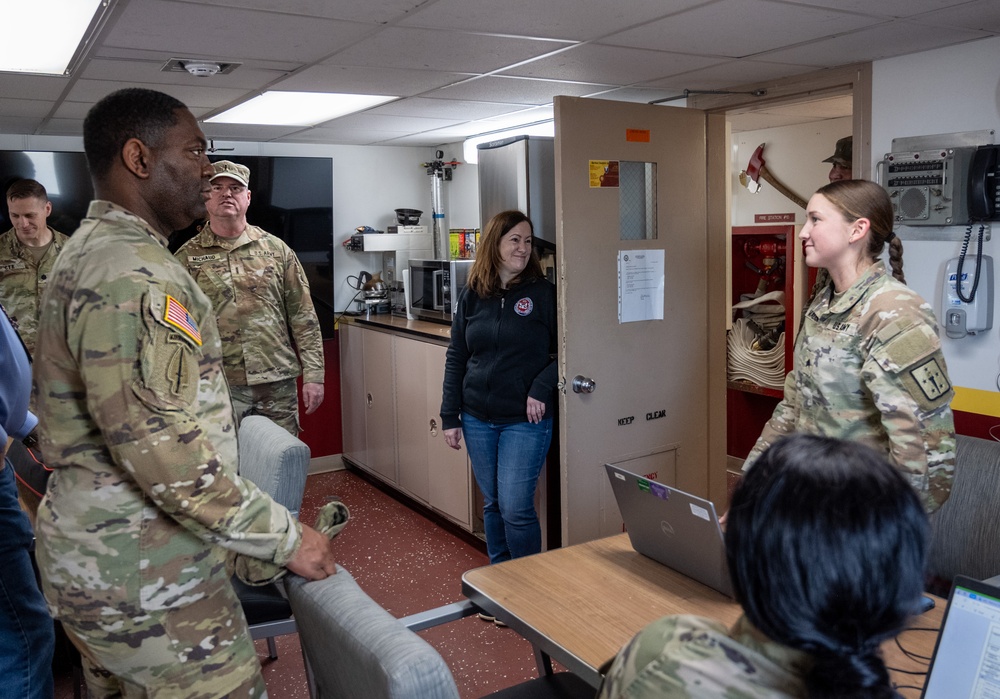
[[868, 364], [27, 253], [262, 304], [145, 510]]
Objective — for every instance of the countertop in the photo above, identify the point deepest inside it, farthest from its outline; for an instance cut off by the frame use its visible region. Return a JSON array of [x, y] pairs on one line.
[[420, 328]]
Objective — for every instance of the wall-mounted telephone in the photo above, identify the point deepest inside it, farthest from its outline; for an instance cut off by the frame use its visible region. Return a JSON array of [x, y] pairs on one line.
[[984, 196], [943, 186]]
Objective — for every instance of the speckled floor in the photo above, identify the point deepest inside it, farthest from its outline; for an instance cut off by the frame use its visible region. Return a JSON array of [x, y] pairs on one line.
[[406, 563]]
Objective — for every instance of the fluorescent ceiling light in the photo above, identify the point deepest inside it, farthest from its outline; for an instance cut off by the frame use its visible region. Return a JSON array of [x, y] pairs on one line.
[[42, 36], [471, 152], [297, 108]]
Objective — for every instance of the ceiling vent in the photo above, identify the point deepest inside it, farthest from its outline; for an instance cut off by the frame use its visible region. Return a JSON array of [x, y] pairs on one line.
[[200, 67]]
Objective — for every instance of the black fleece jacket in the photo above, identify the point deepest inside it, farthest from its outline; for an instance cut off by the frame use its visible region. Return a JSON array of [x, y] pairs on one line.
[[503, 349]]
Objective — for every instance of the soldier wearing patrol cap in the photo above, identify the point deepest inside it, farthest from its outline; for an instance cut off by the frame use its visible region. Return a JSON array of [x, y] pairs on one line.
[[145, 510], [868, 365], [842, 159], [270, 332], [27, 253]]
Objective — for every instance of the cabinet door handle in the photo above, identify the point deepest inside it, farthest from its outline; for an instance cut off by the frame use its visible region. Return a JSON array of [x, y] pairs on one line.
[[434, 428], [370, 401]]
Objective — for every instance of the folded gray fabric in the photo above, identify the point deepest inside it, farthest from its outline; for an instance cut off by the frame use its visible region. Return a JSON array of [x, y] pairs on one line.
[[253, 571]]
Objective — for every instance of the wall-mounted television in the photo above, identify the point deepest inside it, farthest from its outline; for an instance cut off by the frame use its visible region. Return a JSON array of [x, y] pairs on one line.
[[291, 197]]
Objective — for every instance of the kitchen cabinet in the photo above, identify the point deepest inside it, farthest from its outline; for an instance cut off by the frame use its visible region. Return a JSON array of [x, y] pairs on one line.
[[367, 396], [405, 445]]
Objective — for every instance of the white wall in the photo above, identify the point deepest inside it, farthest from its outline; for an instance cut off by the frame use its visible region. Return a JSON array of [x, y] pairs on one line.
[[794, 155], [935, 92]]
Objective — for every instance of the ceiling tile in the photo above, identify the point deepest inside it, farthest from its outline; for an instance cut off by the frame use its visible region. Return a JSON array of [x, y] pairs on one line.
[[556, 19], [445, 108], [247, 132], [25, 108], [884, 8], [610, 65], [184, 28], [884, 41], [194, 96], [507, 88], [738, 28], [982, 14], [146, 71], [725, 75], [362, 79], [380, 12], [43, 87], [442, 50]]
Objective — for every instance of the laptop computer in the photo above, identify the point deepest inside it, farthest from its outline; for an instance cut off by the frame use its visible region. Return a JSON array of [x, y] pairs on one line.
[[672, 527], [966, 660]]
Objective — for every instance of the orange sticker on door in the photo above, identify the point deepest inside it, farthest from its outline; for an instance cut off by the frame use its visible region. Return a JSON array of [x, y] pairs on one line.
[[637, 135], [603, 173]]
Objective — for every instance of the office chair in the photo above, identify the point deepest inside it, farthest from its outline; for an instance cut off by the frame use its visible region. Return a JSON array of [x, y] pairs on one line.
[[278, 464], [965, 538], [352, 647]]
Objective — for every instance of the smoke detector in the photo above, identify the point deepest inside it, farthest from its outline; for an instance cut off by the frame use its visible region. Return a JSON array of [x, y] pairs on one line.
[[201, 69]]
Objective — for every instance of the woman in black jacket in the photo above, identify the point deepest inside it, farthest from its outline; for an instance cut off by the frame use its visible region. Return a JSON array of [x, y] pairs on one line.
[[499, 381]]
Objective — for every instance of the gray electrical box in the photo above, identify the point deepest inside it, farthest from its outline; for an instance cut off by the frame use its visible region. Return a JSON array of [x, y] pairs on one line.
[[927, 187]]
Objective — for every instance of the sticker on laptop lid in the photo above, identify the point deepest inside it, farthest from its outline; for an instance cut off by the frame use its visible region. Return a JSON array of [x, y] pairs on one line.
[[643, 484], [659, 490], [619, 476], [699, 511]]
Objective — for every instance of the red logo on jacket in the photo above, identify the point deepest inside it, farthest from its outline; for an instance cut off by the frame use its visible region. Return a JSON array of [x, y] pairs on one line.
[[523, 307]]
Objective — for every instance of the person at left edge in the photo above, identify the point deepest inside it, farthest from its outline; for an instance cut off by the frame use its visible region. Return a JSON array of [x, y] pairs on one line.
[[27, 253], [499, 381], [262, 305], [145, 507], [27, 636]]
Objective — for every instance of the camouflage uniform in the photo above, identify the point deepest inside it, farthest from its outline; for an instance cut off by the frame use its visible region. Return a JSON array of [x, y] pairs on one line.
[[145, 506], [22, 281], [689, 657], [869, 368], [260, 292]]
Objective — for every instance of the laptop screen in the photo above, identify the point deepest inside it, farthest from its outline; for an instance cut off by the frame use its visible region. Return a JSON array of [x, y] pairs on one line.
[[966, 661]]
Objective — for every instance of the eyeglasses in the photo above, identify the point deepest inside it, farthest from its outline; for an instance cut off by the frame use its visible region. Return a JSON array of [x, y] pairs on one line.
[[234, 189]]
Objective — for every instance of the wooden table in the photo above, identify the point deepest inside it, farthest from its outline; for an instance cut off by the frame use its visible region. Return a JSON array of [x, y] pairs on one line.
[[580, 604]]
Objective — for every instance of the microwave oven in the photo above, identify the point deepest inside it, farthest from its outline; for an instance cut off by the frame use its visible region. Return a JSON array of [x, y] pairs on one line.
[[435, 286]]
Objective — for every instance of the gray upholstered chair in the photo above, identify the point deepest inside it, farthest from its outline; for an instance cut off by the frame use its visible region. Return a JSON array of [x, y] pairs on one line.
[[965, 531], [278, 464], [274, 460], [355, 648]]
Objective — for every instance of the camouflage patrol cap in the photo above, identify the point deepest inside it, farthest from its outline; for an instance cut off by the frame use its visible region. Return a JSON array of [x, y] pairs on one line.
[[843, 154], [227, 168]]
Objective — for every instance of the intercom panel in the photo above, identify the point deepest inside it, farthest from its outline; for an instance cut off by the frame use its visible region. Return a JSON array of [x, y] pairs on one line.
[[928, 187]]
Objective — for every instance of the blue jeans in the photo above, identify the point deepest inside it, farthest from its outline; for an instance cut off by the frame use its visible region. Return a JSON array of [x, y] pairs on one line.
[[27, 635], [506, 461]]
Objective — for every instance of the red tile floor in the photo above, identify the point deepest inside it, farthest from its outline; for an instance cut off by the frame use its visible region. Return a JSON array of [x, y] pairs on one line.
[[406, 563]]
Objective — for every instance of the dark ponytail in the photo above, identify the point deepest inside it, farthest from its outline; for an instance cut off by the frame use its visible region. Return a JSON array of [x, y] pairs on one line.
[[826, 544]]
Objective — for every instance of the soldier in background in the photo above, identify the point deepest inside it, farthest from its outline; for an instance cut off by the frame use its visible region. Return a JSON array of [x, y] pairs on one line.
[[261, 299], [144, 508], [27, 253], [826, 545], [842, 160]]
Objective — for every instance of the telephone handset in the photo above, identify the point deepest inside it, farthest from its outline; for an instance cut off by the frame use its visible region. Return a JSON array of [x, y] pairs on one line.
[[983, 191]]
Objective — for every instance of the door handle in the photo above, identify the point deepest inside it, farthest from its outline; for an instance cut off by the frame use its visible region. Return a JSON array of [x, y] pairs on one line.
[[581, 384], [370, 400], [434, 427]]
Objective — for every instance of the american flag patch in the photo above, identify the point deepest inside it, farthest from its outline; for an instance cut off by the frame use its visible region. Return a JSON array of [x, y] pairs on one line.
[[179, 317]]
